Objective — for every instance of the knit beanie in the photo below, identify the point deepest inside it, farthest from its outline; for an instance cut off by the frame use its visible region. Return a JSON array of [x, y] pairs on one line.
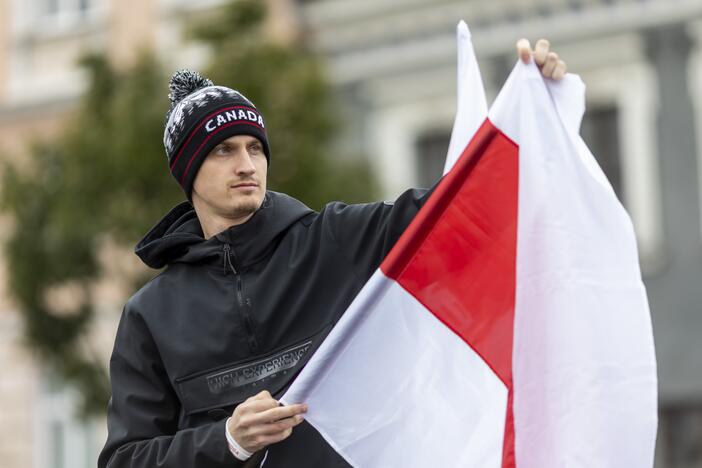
[[201, 116]]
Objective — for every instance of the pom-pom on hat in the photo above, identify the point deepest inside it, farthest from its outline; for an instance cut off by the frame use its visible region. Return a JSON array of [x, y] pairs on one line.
[[201, 116]]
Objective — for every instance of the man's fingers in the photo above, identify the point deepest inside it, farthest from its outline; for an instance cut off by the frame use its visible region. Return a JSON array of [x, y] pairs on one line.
[[278, 426], [257, 403], [550, 65], [282, 436], [260, 441], [560, 71], [275, 414], [524, 50], [262, 395], [257, 406], [261, 421], [267, 440], [541, 51]]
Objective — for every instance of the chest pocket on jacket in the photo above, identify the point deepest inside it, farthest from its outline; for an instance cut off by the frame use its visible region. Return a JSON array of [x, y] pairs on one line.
[[233, 383]]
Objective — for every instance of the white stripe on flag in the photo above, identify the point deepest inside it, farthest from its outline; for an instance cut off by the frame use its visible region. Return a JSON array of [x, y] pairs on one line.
[[471, 105], [392, 386]]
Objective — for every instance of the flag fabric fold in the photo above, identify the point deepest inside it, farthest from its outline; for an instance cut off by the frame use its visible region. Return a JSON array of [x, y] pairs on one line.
[[509, 325], [471, 104]]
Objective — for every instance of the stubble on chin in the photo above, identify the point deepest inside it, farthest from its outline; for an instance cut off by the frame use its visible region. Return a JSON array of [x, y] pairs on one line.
[[244, 208]]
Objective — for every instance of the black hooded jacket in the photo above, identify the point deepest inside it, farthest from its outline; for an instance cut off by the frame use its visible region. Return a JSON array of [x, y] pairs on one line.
[[233, 315]]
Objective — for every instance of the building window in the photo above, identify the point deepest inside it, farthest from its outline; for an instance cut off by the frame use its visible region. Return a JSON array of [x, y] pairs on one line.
[[58, 445], [50, 7], [600, 130], [431, 151], [57, 7], [64, 439], [63, 12], [680, 436]]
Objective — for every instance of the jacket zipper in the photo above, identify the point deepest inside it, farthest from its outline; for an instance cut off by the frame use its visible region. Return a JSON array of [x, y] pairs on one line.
[[248, 322]]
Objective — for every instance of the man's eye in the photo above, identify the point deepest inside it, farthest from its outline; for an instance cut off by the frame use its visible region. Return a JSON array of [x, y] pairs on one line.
[[222, 150], [256, 148]]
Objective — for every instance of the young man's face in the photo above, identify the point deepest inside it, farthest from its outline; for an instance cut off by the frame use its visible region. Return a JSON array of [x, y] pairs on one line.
[[231, 182]]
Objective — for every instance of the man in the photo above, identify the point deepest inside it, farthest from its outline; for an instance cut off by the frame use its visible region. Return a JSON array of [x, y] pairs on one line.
[[254, 282]]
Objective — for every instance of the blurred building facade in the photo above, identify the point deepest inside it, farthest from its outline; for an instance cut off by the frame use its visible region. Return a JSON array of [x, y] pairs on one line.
[[392, 63]]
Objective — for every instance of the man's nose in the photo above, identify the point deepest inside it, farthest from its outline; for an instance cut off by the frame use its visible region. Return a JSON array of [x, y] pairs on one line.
[[245, 165]]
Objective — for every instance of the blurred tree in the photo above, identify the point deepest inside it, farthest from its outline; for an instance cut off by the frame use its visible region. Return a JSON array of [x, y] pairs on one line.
[[106, 177], [287, 84]]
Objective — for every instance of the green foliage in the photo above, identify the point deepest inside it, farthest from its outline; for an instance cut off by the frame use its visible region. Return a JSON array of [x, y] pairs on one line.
[[106, 177], [287, 84]]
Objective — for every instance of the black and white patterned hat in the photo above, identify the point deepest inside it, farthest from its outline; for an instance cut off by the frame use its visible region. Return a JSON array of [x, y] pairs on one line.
[[202, 115]]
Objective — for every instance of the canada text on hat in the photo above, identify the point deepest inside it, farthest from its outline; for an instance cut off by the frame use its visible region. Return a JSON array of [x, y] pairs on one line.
[[234, 115]]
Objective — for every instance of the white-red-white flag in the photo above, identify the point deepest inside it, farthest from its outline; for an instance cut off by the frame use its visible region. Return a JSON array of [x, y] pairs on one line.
[[509, 326]]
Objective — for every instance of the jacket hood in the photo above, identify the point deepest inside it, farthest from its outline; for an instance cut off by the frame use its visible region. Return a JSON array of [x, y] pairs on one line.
[[178, 237]]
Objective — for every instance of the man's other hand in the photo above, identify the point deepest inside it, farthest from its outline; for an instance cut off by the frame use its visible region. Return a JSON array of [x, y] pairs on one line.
[[551, 66], [260, 421]]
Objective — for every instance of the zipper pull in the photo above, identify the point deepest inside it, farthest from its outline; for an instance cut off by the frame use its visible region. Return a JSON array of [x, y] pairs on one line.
[[227, 260], [224, 259]]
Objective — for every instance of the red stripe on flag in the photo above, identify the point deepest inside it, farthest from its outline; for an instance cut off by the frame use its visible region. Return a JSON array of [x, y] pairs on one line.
[[509, 460], [458, 256]]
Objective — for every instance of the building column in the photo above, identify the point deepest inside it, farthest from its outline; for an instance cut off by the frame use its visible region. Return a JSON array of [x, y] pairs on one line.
[[674, 291], [668, 49]]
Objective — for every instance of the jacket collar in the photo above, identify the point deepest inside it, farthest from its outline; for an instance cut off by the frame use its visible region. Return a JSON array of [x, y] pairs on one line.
[[178, 237]]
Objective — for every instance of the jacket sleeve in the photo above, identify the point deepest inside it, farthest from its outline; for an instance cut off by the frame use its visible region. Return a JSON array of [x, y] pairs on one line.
[[143, 412], [366, 233]]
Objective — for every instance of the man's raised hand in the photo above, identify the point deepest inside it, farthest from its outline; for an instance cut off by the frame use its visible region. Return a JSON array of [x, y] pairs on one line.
[[550, 64]]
